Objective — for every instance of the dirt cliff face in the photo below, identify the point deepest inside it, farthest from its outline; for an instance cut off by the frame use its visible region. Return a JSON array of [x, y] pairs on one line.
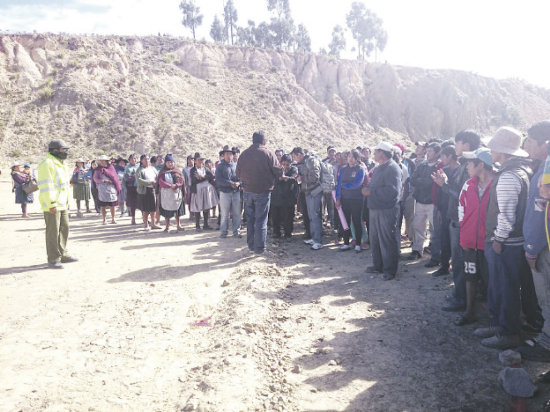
[[161, 94]]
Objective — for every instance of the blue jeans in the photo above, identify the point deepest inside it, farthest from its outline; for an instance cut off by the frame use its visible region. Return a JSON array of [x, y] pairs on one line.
[[230, 202], [314, 212], [256, 209], [508, 275]]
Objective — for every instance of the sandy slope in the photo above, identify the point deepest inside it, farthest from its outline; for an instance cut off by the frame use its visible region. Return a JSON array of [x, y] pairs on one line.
[[293, 330]]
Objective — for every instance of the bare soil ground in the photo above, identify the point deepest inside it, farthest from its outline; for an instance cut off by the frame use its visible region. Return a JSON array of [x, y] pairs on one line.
[[157, 322]]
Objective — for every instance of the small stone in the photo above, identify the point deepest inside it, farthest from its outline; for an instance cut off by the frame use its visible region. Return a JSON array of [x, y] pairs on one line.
[[225, 283], [516, 382], [509, 357], [297, 369]]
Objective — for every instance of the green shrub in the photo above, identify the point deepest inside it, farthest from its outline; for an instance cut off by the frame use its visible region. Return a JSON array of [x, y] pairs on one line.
[[46, 94]]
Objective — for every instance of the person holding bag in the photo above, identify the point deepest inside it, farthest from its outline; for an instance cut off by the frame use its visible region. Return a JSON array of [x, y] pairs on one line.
[[172, 189], [108, 187]]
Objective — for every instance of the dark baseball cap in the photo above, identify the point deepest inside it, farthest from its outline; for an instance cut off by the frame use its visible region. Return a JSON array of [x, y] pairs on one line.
[[58, 144]]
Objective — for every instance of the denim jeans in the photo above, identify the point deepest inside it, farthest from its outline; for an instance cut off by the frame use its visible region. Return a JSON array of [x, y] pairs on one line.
[[314, 212], [457, 259], [541, 278], [256, 209], [384, 243], [508, 272], [230, 202]]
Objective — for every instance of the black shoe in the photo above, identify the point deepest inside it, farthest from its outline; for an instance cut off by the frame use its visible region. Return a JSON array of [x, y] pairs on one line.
[[534, 353], [387, 276], [441, 272], [372, 269], [55, 265], [68, 259], [431, 264], [454, 307], [415, 255]]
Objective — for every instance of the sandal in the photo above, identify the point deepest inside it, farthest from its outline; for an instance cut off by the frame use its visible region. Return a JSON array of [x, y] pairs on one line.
[[465, 320]]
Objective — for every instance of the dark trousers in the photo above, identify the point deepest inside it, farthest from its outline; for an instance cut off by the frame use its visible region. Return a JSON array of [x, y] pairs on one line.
[[383, 239], [352, 209], [302, 205], [57, 233], [282, 216], [510, 289], [256, 209], [95, 196], [328, 202], [457, 257], [445, 242]]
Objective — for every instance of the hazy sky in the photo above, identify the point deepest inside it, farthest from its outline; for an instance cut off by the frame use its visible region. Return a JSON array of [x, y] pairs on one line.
[[490, 37]]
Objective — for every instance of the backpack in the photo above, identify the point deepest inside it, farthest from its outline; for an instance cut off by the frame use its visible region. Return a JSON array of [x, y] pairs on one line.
[[327, 177]]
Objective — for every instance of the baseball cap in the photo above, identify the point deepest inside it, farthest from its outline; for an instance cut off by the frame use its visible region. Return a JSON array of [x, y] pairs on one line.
[[482, 154]]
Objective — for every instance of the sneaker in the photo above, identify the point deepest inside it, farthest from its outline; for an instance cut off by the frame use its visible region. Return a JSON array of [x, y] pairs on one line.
[[317, 246], [357, 249], [55, 265], [486, 332], [441, 272], [68, 259], [501, 341], [432, 264], [309, 242], [343, 248], [534, 352]]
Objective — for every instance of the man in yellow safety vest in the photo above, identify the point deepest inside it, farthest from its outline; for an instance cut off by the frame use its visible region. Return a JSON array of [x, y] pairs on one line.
[[53, 182]]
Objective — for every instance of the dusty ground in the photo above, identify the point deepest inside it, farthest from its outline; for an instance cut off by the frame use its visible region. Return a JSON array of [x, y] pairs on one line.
[[294, 330]]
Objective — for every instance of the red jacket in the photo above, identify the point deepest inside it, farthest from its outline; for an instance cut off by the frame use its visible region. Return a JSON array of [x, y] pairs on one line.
[[472, 212]]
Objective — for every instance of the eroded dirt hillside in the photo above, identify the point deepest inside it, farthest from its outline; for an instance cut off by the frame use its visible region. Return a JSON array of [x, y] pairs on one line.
[[121, 94]]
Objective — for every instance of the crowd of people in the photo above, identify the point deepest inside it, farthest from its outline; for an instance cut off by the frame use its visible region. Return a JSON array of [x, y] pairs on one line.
[[483, 208]]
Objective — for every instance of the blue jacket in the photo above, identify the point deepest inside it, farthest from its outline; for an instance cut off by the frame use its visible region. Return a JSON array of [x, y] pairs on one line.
[[534, 228], [225, 174], [350, 181]]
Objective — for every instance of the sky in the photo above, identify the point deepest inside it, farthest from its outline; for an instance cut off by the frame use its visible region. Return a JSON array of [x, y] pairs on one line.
[[494, 38]]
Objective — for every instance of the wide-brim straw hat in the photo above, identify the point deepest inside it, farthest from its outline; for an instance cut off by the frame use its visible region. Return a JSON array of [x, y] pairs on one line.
[[14, 164], [104, 157], [507, 140], [80, 160]]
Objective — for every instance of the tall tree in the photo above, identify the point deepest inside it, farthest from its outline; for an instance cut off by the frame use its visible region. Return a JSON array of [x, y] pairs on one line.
[[217, 30], [230, 17], [367, 29], [191, 15], [282, 25], [338, 42], [303, 41]]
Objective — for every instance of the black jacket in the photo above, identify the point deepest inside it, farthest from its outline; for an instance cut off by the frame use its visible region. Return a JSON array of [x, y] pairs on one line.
[[422, 182], [286, 191], [385, 186]]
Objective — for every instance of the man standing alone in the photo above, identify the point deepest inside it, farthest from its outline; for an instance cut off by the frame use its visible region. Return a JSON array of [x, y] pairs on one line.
[[257, 169], [53, 182]]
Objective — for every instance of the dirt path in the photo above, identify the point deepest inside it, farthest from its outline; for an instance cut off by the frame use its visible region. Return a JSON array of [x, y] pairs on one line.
[[154, 321]]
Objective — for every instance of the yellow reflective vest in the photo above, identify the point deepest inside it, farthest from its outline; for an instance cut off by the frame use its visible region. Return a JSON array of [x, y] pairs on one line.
[[53, 182]]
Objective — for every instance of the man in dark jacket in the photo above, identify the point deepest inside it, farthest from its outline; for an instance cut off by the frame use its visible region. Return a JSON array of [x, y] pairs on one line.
[[283, 199], [384, 194], [536, 244], [257, 169], [422, 184], [465, 141], [504, 242], [230, 199]]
